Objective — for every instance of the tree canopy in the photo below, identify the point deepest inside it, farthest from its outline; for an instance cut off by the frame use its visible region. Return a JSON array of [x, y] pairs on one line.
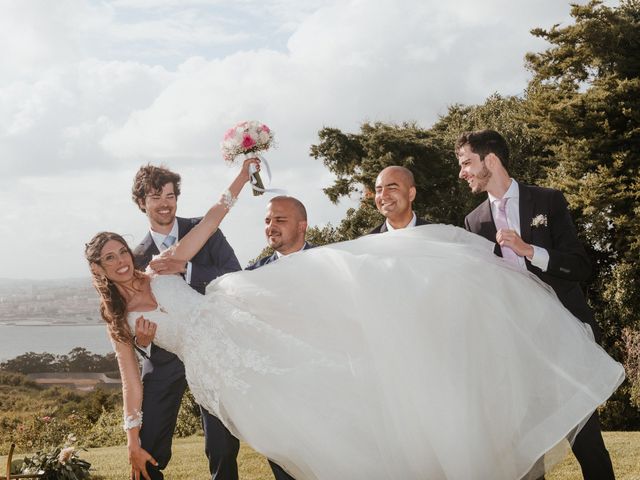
[[576, 128]]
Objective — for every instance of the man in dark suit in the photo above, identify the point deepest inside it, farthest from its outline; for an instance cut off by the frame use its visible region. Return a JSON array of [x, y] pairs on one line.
[[285, 225], [395, 193], [532, 228], [155, 191]]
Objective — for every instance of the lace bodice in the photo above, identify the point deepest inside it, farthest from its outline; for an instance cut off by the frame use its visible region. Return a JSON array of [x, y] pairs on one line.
[[176, 303], [202, 331]]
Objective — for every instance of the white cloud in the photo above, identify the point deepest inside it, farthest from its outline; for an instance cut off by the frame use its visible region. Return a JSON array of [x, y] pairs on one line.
[[89, 91]]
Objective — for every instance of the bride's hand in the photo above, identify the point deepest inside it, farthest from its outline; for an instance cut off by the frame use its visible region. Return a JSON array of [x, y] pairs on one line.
[[246, 170], [145, 332], [166, 263], [138, 458]]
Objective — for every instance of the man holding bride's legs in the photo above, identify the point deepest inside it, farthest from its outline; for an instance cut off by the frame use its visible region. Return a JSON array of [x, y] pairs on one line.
[[155, 191]]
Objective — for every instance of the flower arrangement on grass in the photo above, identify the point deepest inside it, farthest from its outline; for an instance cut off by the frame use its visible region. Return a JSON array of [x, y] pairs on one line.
[[59, 463]]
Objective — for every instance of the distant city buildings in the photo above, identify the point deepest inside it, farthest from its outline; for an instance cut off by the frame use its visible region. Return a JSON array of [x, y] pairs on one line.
[[56, 302]]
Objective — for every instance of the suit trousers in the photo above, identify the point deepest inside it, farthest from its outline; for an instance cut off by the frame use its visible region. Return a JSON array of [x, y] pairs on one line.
[[161, 403], [591, 453], [278, 472], [221, 448]]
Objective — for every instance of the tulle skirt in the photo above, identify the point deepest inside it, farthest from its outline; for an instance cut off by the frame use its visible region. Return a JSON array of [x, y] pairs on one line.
[[414, 354]]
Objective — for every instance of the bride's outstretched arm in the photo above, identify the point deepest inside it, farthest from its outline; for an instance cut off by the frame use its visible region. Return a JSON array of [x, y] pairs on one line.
[[132, 406], [193, 241]]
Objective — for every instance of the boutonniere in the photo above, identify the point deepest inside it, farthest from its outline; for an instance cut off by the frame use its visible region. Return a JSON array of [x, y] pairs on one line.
[[539, 220]]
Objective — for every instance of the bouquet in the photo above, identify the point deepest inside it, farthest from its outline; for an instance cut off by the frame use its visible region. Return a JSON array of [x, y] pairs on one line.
[[247, 138]]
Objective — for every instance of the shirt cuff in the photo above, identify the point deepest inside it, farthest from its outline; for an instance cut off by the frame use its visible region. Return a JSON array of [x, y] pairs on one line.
[[187, 275], [540, 258], [146, 350]]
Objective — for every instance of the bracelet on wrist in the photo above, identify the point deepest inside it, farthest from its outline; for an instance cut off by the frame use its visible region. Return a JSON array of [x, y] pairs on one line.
[[227, 199], [132, 421]]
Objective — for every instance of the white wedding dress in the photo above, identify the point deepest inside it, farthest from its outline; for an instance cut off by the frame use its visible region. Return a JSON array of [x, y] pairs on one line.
[[414, 354]]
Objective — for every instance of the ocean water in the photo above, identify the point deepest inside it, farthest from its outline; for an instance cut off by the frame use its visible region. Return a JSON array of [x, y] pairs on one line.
[[59, 339]]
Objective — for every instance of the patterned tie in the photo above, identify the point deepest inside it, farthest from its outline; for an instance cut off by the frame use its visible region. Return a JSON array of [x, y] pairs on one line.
[[502, 224], [168, 241]]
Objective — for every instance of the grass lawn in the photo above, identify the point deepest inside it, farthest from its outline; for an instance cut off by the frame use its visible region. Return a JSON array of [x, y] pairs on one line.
[[189, 461]]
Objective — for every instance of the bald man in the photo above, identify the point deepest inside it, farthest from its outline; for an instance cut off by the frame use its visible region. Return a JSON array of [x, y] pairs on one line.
[[395, 193], [285, 225]]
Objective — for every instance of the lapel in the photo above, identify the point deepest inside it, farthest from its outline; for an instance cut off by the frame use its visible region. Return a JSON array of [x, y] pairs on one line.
[[145, 251], [272, 258], [485, 220], [183, 227], [526, 212]]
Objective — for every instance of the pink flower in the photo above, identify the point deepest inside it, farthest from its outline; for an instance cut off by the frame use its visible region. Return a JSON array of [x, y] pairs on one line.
[[246, 137], [247, 141], [46, 419]]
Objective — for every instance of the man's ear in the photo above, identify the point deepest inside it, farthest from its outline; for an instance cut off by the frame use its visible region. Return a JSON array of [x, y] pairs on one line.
[[412, 193], [491, 160], [141, 206], [302, 226]]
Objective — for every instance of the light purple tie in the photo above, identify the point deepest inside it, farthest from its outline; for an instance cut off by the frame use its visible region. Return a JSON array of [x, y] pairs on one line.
[[502, 224]]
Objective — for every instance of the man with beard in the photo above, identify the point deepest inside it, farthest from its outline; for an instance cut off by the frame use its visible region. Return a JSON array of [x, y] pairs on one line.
[[395, 193], [155, 191], [533, 229], [285, 225]]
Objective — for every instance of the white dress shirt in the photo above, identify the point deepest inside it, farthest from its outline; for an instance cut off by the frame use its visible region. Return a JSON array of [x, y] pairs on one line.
[[280, 255], [412, 223], [540, 256]]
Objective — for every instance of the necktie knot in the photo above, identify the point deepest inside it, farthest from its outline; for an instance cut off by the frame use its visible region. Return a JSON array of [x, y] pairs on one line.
[[168, 241]]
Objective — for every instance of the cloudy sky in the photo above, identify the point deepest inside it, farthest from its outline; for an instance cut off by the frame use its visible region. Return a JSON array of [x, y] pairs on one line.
[[90, 90]]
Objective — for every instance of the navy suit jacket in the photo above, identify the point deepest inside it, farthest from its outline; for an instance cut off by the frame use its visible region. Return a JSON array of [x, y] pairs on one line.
[[215, 258], [383, 228], [273, 258], [569, 263]]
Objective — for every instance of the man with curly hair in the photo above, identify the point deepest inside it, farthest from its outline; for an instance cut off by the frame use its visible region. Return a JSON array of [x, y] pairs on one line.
[[155, 191]]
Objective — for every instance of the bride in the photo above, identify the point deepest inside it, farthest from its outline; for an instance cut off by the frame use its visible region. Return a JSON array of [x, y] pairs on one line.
[[414, 354]]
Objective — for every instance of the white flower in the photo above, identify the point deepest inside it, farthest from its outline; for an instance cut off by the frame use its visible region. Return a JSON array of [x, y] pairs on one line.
[[539, 220], [65, 454], [244, 138]]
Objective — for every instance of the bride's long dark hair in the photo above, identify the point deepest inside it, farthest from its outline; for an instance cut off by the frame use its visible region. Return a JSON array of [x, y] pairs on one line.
[[113, 306]]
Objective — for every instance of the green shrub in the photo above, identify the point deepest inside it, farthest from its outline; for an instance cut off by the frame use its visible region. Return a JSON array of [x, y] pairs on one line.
[[188, 422], [107, 430], [45, 431], [16, 379]]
